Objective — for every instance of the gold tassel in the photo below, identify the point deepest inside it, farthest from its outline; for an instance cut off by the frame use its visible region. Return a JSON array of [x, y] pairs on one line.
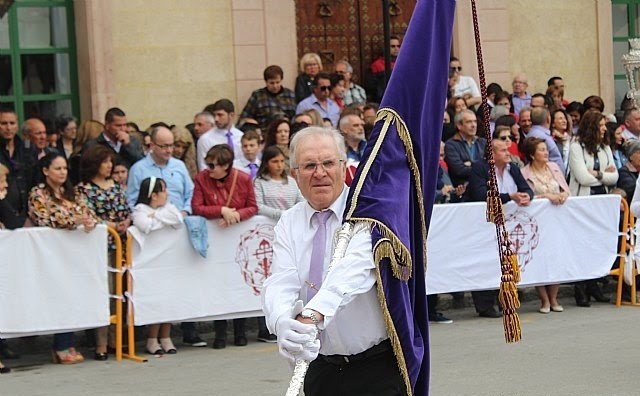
[[494, 208], [512, 265], [510, 302]]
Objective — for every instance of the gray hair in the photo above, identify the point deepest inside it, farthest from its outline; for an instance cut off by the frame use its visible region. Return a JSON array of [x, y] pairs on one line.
[[347, 64], [458, 118], [207, 116], [316, 131], [498, 111], [526, 108], [539, 115]]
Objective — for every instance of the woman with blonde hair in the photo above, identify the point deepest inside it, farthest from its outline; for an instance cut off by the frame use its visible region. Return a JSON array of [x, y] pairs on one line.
[[315, 116], [184, 149], [88, 130], [310, 66]]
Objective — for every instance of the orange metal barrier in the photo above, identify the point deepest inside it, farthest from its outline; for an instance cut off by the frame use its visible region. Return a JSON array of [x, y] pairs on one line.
[[627, 243], [117, 319], [131, 338]]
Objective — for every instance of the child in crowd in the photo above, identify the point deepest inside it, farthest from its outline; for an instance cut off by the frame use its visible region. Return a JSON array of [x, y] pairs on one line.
[[275, 190], [153, 212], [249, 162], [120, 174]]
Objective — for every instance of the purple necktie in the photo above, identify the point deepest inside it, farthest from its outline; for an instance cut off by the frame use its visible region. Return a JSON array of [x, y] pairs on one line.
[[230, 140], [253, 169], [316, 268]]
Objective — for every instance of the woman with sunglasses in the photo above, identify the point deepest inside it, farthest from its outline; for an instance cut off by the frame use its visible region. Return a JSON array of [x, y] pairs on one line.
[[226, 195], [503, 133]]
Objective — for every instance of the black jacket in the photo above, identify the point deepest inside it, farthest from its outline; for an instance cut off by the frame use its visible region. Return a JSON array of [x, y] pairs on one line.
[[477, 188]]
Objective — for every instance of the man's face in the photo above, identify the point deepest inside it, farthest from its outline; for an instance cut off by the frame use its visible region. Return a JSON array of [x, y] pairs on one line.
[[468, 125], [37, 133], [223, 119], [519, 85], [454, 69], [201, 125], [501, 153], [559, 84], [525, 121], [394, 47], [8, 125], [250, 149], [274, 85], [354, 130], [319, 186], [162, 146], [323, 89], [537, 101], [633, 122], [116, 126], [341, 68]]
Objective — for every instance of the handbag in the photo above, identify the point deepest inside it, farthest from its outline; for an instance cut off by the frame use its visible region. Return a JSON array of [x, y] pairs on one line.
[[233, 188]]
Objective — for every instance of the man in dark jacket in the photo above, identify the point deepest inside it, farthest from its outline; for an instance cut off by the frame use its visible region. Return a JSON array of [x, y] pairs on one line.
[[116, 138], [21, 161], [462, 150], [512, 187]]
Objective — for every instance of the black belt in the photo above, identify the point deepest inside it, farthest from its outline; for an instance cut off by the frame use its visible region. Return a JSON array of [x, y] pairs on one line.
[[343, 360]]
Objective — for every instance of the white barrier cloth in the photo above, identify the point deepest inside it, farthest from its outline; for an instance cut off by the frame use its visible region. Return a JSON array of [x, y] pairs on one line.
[[52, 281], [555, 244], [172, 282]]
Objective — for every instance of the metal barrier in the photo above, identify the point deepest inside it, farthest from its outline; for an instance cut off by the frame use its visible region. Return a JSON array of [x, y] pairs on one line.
[[627, 245]]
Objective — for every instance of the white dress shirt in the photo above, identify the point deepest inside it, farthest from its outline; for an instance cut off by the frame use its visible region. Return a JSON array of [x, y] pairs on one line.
[[217, 136], [348, 298], [242, 164]]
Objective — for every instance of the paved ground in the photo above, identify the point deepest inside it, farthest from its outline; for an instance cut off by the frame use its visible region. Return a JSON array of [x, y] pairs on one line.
[[582, 352]]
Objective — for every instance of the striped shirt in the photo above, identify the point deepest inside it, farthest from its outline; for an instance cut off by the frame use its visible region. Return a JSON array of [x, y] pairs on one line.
[[275, 196]]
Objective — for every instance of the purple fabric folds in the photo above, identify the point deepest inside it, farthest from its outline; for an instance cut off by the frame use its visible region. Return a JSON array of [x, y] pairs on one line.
[[394, 186]]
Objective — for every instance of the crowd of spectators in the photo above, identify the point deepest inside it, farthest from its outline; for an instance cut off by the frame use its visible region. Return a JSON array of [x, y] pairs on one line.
[[227, 168]]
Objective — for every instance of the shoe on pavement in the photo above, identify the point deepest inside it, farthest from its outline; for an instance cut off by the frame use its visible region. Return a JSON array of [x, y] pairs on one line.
[[440, 318], [219, 343], [194, 341], [270, 338], [490, 313]]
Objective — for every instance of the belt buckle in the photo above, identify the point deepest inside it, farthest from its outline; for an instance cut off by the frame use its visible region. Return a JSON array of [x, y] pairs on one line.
[[346, 359]]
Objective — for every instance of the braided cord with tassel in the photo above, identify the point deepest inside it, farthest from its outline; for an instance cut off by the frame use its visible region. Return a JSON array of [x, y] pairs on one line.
[[495, 214]]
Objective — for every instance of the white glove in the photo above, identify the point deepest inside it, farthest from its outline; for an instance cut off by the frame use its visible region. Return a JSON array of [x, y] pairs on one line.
[[296, 340]]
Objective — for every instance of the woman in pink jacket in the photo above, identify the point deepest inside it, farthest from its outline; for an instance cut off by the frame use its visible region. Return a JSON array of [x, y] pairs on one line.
[[547, 181]]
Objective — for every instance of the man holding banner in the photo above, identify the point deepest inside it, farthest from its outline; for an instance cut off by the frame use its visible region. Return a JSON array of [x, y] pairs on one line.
[[368, 303]]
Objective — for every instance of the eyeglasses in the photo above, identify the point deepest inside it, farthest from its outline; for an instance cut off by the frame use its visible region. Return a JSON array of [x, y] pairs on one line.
[[164, 146], [325, 87], [503, 138], [328, 165], [395, 45], [456, 68]]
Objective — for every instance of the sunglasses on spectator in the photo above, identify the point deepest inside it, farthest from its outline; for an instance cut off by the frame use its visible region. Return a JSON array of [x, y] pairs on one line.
[[325, 87], [213, 165], [503, 138], [456, 68]]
